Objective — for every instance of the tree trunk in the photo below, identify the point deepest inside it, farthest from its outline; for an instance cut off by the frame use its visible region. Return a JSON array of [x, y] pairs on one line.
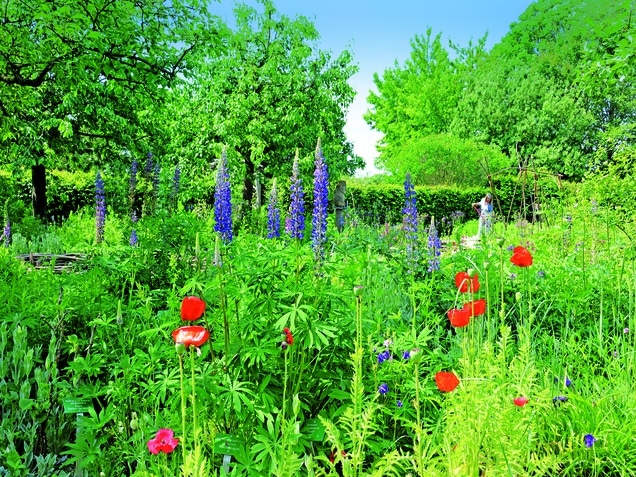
[[248, 182], [38, 194]]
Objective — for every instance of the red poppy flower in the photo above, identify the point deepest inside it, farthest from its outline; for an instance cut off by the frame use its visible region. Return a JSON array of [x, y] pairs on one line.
[[476, 307], [192, 308], [520, 401], [446, 381], [164, 441], [289, 338], [459, 317], [521, 257], [190, 336], [465, 283]]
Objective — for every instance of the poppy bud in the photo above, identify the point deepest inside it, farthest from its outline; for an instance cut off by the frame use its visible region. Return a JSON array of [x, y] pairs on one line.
[[518, 296], [134, 422], [180, 347], [471, 272], [501, 241], [357, 290], [415, 355]]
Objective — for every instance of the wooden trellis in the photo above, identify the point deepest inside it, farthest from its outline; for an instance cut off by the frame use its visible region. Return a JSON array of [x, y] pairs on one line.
[[531, 204]]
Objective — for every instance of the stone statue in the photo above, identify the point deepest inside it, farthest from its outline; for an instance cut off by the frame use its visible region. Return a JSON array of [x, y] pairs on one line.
[[339, 204]]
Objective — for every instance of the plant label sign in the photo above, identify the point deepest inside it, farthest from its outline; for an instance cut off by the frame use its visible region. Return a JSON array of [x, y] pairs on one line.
[[314, 430], [228, 444], [76, 405]]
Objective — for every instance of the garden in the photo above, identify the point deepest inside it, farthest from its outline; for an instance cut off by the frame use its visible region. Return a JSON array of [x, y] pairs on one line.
[[185, 341], [194, 282]]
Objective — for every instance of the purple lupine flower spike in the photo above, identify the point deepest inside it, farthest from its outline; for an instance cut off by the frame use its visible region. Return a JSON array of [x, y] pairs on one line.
[[434, 246], [295, 222], [410, 222], [133, 238], [6, 234], [149, 164], [155, 180], [273, 213], [223, 201], [100, 207], [321, 195]]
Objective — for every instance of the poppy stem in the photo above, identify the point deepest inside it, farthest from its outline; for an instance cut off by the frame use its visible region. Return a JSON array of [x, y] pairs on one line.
[[284, 390], [226, 324], [418, 432], [193, 399], [488, 323], [501, 285], [530, 316], [183, 410]]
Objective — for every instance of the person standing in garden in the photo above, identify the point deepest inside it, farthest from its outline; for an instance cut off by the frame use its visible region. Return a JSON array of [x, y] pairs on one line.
[[485, 210]]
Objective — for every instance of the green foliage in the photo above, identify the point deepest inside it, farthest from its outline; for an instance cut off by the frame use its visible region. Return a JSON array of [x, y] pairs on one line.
[[379, 204], [270, 92], [613, 186], [552, 94], [443, 159], [107, 324], [33, 431], [85, 78], [417, 101]]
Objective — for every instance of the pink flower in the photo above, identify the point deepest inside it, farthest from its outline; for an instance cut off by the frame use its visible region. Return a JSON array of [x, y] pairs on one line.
[[520, 401], [164, 441]]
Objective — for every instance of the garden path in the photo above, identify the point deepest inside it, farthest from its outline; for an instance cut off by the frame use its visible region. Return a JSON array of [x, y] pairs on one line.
[[471, 241]]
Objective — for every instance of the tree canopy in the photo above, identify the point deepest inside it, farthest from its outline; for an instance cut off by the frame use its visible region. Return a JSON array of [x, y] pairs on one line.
[[272, 91], [94, 82], [80, 78], [552, 93]]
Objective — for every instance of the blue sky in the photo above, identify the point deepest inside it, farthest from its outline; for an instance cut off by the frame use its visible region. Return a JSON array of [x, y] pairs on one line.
[[378, 32]]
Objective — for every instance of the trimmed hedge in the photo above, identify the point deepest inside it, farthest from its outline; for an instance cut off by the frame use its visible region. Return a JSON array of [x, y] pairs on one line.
[[382, 203], [373, 203], [66, 192]]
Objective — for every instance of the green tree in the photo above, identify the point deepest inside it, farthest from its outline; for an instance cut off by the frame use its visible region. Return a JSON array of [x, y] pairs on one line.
[[415, 106], [550, 92], [271, 91], [444, 159], [526, 115], [554, 92], [79, 78]]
